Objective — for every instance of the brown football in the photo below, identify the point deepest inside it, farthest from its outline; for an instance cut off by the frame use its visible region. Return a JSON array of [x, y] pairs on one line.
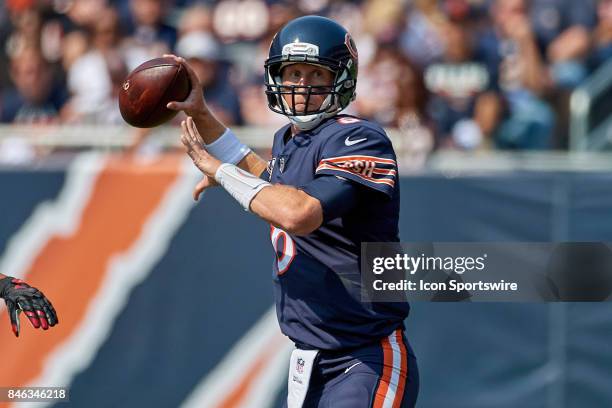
[[147, 90]]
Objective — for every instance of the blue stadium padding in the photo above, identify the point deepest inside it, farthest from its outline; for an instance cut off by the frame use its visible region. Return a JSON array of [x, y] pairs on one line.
[[214, 283]]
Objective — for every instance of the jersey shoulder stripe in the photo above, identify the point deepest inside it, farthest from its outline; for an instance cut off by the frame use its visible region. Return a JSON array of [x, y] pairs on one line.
[[380, 160], [389, 182], [371, 168]]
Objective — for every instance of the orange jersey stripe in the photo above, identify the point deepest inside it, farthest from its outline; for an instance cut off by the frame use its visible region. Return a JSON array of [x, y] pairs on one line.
[[71, 269]]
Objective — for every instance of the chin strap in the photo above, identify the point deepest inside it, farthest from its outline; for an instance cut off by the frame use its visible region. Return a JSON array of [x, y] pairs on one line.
[[306, 122]]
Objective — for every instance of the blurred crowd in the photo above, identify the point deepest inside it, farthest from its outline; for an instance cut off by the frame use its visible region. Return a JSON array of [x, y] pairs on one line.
[[456, 74]]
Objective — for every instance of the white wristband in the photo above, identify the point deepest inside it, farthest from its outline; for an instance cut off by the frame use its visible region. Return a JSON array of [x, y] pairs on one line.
[[228, 148], [241, 185]]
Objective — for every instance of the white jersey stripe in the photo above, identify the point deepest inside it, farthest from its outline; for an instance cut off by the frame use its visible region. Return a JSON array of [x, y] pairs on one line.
[[395, 372]]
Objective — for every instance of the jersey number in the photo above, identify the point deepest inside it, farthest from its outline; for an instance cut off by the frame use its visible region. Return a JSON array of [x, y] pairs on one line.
[[284, 253]]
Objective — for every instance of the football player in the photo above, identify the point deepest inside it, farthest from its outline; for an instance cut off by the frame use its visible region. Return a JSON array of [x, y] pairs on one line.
[[332, 184], [19, 296]]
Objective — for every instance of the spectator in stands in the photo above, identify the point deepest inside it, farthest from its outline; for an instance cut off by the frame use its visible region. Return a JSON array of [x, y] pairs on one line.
[[66, 24], [25, 23], [74, 45], [235, 21], [412, 94], [35, 96], [254, 105], [253, 62], [253, 101], [561, 28], [95, 77], [150, 36], [411, 118], [464, 104], [81, 14], [195, 18], [383, 19], [535, 52], [20, 30], [381, 89], [601, 50], [422, 39], [204, 54], [515, 63]]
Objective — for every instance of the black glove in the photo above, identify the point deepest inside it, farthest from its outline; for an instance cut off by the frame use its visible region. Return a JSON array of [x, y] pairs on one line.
[[19, 296]]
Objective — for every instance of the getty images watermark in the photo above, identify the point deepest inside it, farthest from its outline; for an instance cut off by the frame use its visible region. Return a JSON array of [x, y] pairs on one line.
[[521, 272], [413, 264]]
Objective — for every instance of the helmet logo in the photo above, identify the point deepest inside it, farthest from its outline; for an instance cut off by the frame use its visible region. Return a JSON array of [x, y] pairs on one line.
[[350, 44], [301, 48]]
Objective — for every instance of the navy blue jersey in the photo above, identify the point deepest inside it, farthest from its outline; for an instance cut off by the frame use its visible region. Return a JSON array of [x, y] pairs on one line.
[[317, 281]]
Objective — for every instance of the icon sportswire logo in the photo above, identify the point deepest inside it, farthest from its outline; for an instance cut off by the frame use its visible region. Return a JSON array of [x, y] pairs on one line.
[[350, 142]]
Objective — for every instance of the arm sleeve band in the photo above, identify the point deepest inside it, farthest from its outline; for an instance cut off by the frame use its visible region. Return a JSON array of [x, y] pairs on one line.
[[228, 148]]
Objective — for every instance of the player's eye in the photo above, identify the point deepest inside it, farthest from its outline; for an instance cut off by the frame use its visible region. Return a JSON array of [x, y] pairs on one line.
[[320, 76]]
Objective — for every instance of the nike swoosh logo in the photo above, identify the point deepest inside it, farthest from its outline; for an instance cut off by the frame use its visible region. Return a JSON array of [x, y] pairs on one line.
[[349, 142], [356, 364]]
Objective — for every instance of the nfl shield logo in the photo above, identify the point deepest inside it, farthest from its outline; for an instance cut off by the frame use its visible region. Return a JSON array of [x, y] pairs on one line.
[[282, 161], [270, 166], [300, 366]]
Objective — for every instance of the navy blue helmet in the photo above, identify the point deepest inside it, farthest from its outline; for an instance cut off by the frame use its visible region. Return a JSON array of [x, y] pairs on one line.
[[314, 40]]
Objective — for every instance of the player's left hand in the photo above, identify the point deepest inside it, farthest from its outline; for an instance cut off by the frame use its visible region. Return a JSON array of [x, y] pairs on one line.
[[19, 296], [194, 144]]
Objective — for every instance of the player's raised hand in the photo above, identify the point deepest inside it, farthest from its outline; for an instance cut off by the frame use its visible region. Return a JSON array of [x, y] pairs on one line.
[[19, 296], [194, 104], [191, 139]]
